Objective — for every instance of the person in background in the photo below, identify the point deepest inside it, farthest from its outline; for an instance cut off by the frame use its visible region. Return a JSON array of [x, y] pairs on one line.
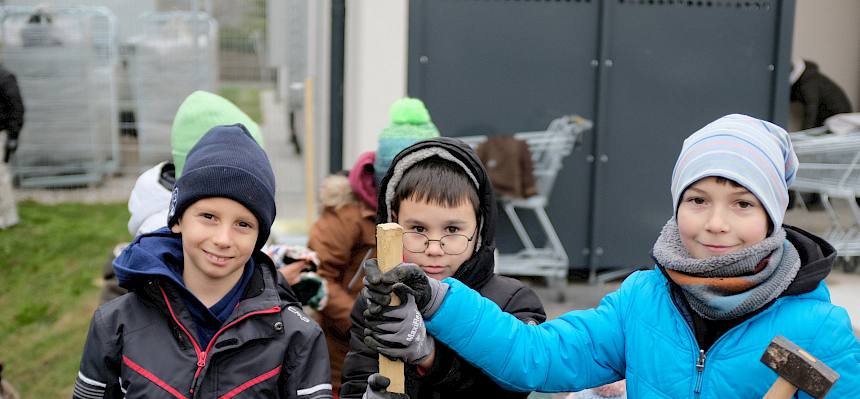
[[11, 123]]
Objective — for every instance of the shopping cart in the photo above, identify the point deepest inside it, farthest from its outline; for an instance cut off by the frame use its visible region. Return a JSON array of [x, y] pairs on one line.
[[830, 168], [548, 148]]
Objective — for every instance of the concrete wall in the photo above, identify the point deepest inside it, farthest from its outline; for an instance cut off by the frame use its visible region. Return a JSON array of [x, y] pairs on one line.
[[375, 70], [828, 32]]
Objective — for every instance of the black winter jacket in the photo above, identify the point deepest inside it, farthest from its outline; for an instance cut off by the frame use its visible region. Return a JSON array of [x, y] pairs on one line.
[[11, 104], [450, 375], [142, 345], [821, 97]]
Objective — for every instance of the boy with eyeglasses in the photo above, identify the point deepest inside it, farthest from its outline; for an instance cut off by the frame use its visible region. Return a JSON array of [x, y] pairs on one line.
[[441, 195]]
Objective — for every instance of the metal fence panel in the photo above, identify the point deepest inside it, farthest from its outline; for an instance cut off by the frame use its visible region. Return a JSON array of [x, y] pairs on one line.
[[175, 55], [65, 63]]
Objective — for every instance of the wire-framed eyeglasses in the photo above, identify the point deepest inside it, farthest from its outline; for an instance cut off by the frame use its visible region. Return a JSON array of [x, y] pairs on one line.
[[452, 244]]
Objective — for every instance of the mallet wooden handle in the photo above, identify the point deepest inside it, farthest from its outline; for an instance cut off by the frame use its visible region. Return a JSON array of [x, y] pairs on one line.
[[389, 254], [781, 389]]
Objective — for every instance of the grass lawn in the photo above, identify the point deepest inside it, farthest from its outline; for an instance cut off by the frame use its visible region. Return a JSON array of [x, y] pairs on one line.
[[246, 98], [50, 269]]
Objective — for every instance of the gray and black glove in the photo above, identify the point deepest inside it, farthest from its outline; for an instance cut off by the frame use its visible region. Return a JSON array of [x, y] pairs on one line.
[[398, 331], [376, 385], [428, 292]]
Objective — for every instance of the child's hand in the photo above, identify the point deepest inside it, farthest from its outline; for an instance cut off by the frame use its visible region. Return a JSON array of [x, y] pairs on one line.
[[311, 290], [398, 331], [293, 271], [376, 385], [428, 292]]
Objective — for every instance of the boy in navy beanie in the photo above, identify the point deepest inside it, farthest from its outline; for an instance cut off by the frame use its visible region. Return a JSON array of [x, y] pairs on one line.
[[206, 314]]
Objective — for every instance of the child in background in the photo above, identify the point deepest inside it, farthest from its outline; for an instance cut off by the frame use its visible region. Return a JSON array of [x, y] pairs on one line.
[[729, 278], [441, 195], [205, 316]]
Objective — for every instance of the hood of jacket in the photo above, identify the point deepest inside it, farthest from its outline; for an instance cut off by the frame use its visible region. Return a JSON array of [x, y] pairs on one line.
[[478, 269], [817, 257], [361, 179], [150, 199], [150, 255]]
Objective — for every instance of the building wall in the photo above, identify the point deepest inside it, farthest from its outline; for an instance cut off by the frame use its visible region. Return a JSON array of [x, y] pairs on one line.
[[375, 70]]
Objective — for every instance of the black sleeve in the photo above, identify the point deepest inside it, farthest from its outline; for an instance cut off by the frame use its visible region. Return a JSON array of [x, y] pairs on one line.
[[307, 371], [810, 98], [12, 98], [361, 361], [451, 374], [98, 376]]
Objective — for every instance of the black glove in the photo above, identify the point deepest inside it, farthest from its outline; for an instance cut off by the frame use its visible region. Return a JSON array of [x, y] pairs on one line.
[[11, 146], [398, 331], [428, 292], [376, 385]]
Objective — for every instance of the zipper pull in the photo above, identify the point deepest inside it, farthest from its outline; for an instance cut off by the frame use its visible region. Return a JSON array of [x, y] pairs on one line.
[[700, 364], [201, 360]]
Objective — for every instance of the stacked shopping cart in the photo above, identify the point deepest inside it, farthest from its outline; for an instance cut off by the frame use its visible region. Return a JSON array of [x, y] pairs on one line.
[[548, 149], [830, 168]]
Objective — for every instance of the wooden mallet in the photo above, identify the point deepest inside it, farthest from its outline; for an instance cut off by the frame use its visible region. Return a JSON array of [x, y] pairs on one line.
[[796, 369], [389, 254]]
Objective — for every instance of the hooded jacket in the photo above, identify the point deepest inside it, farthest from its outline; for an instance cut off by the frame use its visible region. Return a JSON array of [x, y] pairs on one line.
[[450, 375], [821, 96], [640, 333], [145, 344]]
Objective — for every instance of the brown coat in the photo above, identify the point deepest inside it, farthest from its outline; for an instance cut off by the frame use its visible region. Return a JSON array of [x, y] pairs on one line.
[[509, 166], [341, 237]]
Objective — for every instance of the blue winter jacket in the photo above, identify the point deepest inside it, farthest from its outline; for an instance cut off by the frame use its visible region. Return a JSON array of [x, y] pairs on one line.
[[638, 333]]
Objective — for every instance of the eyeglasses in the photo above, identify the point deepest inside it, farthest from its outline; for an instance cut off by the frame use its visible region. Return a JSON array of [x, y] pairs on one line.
[[452, 244]]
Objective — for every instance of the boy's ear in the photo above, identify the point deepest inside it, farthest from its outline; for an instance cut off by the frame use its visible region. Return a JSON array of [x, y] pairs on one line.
[[175, 228]]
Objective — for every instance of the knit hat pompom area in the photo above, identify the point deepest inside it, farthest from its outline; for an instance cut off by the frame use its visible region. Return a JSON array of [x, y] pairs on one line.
[[198, 113], [228, 163], [409, 123], [409, 111], [751, 152]]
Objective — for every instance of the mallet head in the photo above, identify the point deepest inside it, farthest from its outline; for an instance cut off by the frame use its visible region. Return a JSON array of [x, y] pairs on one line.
[[799, 367]]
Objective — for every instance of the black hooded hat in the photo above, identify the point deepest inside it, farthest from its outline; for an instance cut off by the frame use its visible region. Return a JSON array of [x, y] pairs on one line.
[[478, 269]]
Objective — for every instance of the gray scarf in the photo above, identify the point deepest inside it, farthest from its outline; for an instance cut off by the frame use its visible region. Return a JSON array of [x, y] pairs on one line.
[[728, 286]]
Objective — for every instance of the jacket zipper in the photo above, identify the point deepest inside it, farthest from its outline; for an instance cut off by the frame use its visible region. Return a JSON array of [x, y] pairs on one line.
[[201, 354], [700, 367], [700, 362]]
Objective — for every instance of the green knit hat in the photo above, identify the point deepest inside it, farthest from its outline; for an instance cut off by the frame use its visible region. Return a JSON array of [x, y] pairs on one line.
[[410, 123], [200, 112]]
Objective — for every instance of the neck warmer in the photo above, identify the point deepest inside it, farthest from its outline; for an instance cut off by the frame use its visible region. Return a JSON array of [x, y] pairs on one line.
[[728, 286]]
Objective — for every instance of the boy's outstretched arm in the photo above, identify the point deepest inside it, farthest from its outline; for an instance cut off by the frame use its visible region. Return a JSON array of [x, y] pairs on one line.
[[98, 376], [454, 373], [581, 349]]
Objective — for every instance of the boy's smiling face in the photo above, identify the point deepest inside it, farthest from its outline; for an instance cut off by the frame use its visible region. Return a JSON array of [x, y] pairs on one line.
[[717, 217], [436, 221], [218, 238]]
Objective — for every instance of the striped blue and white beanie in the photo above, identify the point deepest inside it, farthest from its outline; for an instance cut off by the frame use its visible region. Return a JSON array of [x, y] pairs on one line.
[[754, 153]]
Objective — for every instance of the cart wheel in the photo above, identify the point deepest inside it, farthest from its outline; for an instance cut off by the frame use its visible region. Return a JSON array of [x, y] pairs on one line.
[[850, 265]]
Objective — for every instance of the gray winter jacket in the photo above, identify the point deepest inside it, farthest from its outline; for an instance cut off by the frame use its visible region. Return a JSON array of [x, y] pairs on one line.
[[142, 345]]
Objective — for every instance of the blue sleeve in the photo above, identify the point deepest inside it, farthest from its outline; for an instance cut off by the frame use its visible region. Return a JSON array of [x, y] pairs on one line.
[[580, 349]]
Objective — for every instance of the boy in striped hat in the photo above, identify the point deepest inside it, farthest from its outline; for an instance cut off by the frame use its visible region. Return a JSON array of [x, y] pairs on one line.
[[729, 277]]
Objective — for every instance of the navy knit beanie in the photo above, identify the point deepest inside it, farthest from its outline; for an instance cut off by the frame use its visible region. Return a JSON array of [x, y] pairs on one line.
[[227, 163]]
